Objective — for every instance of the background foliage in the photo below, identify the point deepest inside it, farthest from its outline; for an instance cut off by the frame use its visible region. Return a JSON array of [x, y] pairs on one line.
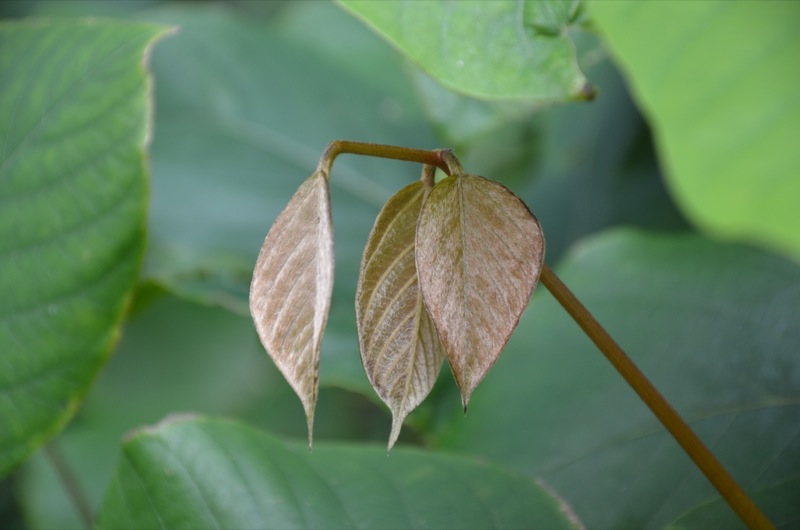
[[246, 98]]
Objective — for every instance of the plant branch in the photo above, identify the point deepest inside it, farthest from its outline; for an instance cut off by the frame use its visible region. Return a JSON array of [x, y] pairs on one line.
[[719, 477], [70, 483], [338, 147]]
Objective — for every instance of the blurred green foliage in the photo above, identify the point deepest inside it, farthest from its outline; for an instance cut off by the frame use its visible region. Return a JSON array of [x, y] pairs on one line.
[[717, 84], [246, 97]]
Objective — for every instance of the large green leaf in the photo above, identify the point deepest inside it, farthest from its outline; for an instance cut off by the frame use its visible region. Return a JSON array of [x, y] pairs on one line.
[[178, 356], [716, 327], [499, 50], [205, 473], [74, 123], [779, 501], [717, 80], [215, 193]]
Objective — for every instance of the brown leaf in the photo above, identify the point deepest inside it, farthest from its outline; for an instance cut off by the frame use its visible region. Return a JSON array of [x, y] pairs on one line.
[[479, 255], [291, 290], [400, 349]]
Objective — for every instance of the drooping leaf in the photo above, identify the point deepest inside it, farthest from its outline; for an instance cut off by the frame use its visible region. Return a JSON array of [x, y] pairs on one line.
[[400, 349], [208, 473], [497, 50], [714, 326], [724, 108], [268, 120], [74, 124], [291, 290], [479, 254], [233, 127]]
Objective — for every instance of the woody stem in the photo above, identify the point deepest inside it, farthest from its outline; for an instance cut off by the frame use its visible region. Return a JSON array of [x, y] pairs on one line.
[[719, 477], [337, 147]]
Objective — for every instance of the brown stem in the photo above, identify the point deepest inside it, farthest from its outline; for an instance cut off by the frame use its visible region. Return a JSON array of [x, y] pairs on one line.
[[428, 178], [70, 483], [452, 162], [338, 147], [719, 477]]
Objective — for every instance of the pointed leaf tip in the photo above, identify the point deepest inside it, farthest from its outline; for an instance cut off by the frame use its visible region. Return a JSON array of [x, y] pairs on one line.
[[397, 425], [479, 254], [400, 350], [291, 289], [310, 425]]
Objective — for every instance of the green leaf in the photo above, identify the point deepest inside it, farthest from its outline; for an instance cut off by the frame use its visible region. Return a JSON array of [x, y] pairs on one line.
[[714, 326], [206, 473], [74, 120], [497, 50], [779, 501], [176, 356], [718, 84]]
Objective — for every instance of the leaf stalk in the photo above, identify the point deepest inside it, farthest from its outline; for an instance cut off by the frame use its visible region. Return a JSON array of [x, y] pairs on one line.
[[719, 477], [433, 157]]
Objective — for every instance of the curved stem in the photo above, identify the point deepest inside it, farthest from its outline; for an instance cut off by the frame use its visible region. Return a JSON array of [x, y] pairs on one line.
[[338, 147], [452, 162], [719, 477], [428, 178]]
